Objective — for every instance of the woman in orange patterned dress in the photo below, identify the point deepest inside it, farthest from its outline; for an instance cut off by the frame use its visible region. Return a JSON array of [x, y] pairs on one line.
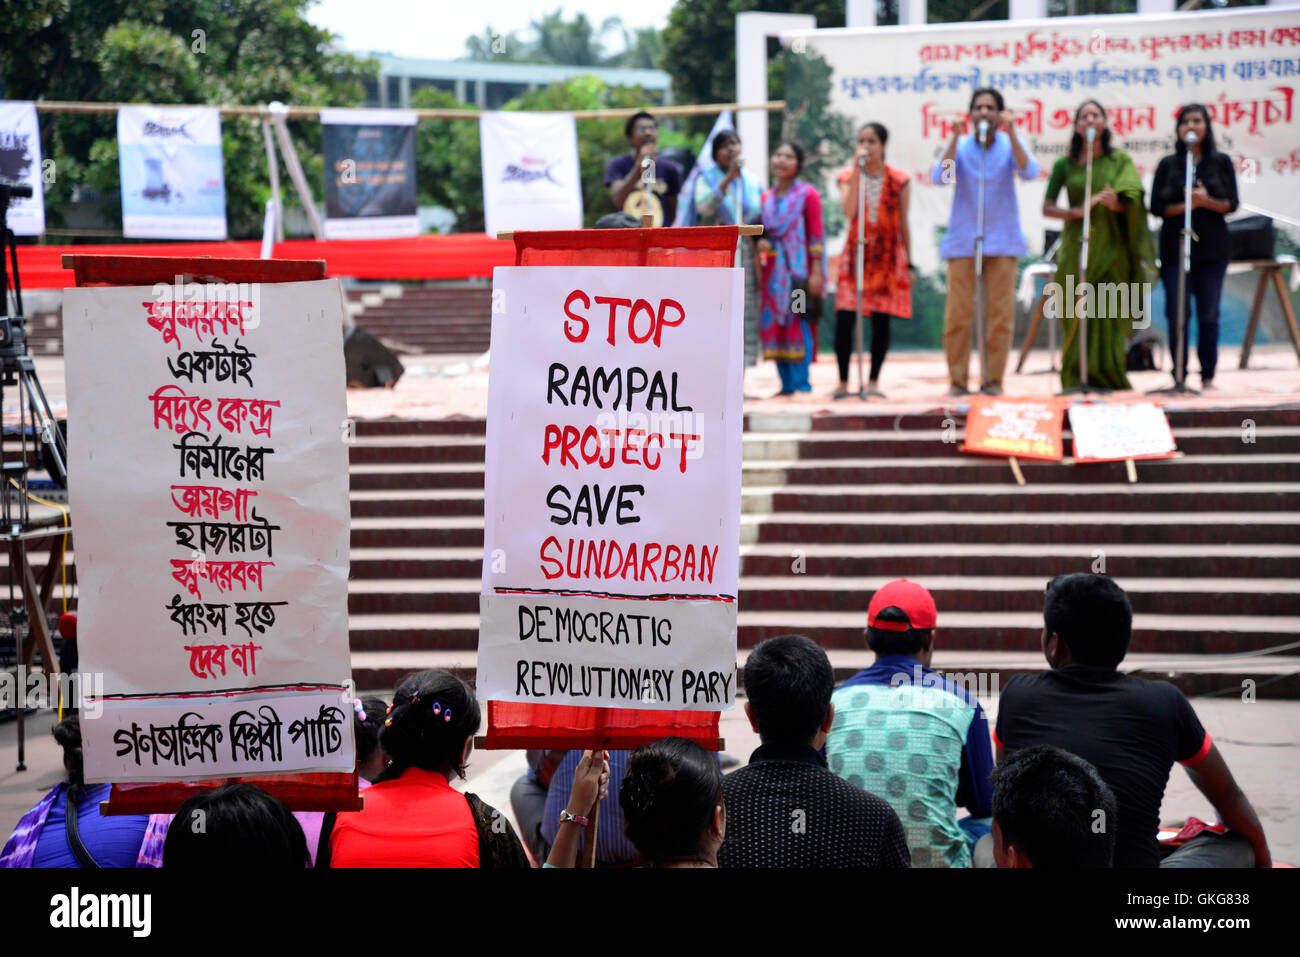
[[887, 255]]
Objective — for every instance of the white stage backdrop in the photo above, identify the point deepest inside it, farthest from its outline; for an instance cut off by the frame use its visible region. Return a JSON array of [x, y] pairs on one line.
[[173, 186], [612, 503], [530, 171], [1244, 66], [20, 162], [210, 485]]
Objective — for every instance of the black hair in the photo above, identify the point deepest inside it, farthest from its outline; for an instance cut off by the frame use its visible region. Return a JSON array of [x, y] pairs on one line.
[[631, 122], [1207, 143], [1076, 141], [1092, 615], [433, 713], [1055, 808], [235, 826], [668, 796], [68, 735], [885, 642], [987, 91], [800, 154], [367, 731], [882, 133], [723, 138], [788, 680]]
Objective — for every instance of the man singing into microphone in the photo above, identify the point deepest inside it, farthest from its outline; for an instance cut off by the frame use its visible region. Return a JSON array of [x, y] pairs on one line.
[[642, 182], [995, 149]]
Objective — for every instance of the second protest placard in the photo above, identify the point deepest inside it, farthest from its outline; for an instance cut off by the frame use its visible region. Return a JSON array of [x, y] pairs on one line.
[[612, 498]]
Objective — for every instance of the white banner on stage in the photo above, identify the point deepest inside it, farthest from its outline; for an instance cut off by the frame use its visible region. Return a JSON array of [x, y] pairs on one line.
[[612, 500], [531, 178], [20, 162], [210, 485], [173, 186], [1243, 65]]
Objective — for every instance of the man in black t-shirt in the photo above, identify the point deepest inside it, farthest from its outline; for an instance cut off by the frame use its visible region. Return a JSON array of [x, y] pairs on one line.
[[624, 173], [786, 808], [1131, 729]]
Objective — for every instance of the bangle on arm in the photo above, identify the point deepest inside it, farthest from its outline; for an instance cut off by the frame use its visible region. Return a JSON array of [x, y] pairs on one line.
[[566, 816]]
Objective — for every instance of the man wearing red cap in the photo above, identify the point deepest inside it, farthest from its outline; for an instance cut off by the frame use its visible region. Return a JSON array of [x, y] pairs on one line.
[[907, 733]]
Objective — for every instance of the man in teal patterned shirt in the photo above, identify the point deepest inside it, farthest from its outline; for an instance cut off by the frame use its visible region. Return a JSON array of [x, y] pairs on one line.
[[908, 734]]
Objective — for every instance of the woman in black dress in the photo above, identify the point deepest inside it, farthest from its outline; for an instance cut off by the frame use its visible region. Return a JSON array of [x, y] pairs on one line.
[[1214, 195]]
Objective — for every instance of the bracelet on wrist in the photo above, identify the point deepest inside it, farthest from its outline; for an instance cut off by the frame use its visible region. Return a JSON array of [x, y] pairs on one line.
[[575, 818]]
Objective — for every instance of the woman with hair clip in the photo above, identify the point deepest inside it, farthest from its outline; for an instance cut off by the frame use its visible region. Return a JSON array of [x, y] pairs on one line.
[[1119, 249], [412, 816], [1215, 195], [65, 829], [886, 255], [791, 251]]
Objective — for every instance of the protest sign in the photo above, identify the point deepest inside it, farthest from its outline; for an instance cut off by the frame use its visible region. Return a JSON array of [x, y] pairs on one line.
[[210, 487], [612, 499], [531, 178], [369, 174], [1025, 428], [20, 163], [1111, 431], [172, 180]]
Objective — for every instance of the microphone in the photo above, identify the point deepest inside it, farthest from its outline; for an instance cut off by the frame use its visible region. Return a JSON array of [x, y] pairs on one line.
[[1190, 138], [983, 128], [1091, 134]]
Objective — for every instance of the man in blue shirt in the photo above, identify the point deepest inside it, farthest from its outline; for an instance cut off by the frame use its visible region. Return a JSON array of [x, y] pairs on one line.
[[909, 734], [1000, 158]]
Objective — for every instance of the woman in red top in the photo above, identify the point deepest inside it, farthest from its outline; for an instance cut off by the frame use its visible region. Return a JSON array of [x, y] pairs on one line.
[[412, 816], [887, 255]]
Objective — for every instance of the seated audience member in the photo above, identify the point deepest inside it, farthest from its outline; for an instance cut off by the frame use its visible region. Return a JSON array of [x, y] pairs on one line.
[[367, 721], [234, 826], [65, 828], [412, 816], [1051, 810], [785, 808], [590, 787], [1130, 729], [910, 735], [672, 803]]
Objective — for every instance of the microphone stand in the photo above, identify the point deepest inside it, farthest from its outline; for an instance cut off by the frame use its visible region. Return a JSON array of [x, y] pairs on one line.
[[857, 316], [1081, 299], [979, 258], [1180, 386]]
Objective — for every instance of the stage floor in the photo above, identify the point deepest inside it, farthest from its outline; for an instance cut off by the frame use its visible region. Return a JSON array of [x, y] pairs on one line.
[[456, 386]]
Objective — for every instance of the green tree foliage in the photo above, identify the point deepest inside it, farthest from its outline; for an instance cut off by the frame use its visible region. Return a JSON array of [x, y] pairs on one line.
[[575, 42], [172, 51]]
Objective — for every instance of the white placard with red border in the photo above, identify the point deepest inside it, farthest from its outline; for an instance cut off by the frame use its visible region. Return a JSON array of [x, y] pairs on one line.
[[1112, 431]]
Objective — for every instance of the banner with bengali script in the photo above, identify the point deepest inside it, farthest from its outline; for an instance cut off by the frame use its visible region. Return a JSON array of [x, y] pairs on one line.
[[369, 174], [531, 178], [1024, 428], [173, 186], [612, 502], [1243, 65], [209, 481], [1112, 431], [20, 164]]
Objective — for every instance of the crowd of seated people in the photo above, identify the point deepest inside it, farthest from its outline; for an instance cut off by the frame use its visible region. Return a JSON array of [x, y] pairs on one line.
[[869, 774]]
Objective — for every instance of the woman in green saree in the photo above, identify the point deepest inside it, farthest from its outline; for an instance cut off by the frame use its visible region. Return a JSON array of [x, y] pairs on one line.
[[1121, 255]]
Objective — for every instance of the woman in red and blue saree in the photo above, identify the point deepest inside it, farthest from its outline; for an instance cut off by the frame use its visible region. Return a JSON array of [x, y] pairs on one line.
[[718, 189], [793, 270]]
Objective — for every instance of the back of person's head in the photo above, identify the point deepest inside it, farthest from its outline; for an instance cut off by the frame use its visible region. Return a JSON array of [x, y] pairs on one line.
[[1052, 810], [901, 618], [235, 826], [368, 721], [1092, 615], [68, 735], [788, 681], [433, 714], [619, 220], [669, 795]]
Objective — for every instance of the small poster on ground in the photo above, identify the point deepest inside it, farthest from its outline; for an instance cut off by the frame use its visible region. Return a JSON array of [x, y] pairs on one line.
[[1111, 431], [1024, 428]]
